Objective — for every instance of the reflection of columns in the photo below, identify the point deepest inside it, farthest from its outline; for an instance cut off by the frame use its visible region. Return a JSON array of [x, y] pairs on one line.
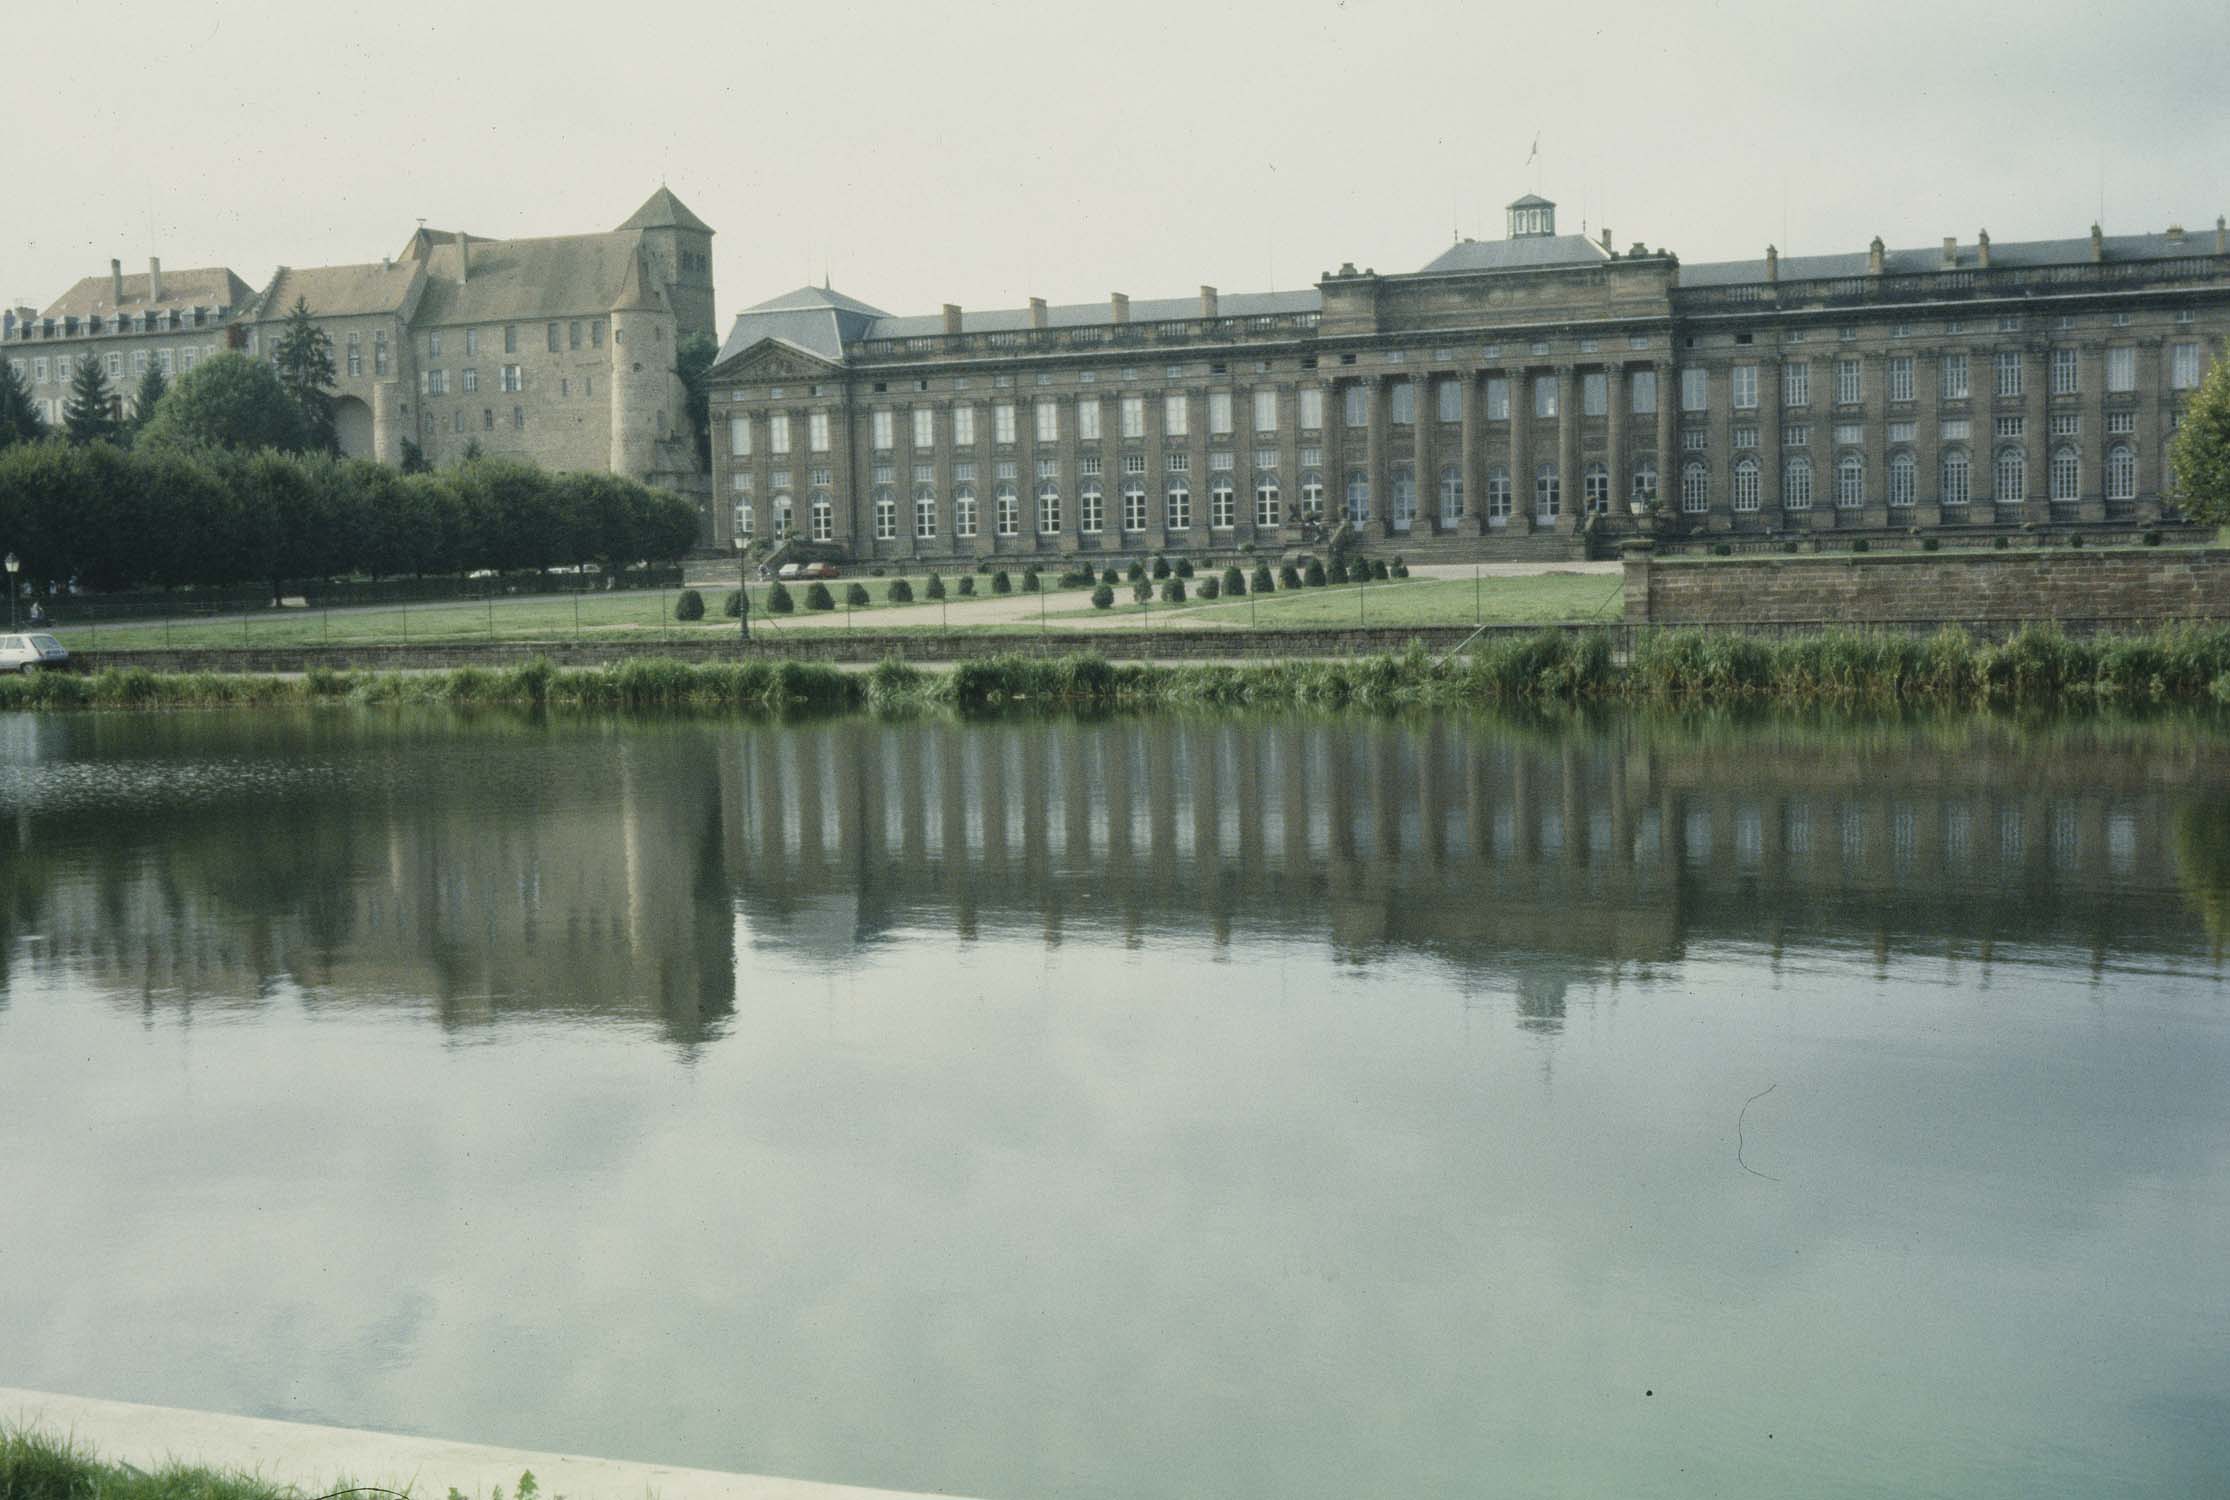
[[1467, 413], [1571, 502]]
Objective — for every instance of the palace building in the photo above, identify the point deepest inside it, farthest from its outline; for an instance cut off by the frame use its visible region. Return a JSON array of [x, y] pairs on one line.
[[1486, 404]]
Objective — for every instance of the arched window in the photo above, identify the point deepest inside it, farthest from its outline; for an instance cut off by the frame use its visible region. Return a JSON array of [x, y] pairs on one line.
[[2012, 471], [1850, 482], [1746, 484], [1268, 513], [1695, 487], [1954, 476], [1796, 484], [886, 514], [1451, 495], [823, 516], [1595, 488], [1358, 497], [1312, 494], [1049, 506], [2067, 473], [1091, 506], [2121, 472], [1548, 493], [1222, 509], [1006, 508], [925, 510], [1901, 479], [785, 516], [1134, 506], [1498, 496], [1405, 496], [964, 510], [1645, 482], [1177, 506]]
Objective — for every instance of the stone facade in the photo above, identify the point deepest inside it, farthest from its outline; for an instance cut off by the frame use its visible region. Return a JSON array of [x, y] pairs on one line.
[[559, 351], [1486, 405], [1976, 588]]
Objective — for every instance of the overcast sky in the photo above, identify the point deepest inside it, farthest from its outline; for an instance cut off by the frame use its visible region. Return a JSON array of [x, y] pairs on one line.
[[984, 153]]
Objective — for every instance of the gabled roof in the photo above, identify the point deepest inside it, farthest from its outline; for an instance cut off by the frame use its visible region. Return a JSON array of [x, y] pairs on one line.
[[2122, 248], [1530, 200], [573, 275], [662, 210], [814, 319], [206, 286], [1532, 252], [339, 291]]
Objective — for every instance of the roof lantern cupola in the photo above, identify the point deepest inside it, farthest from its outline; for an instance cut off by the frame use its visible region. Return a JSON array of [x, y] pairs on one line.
[[1532, 215]]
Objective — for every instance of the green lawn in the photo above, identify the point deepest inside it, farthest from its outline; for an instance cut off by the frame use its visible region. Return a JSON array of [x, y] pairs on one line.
[[1547, 598]]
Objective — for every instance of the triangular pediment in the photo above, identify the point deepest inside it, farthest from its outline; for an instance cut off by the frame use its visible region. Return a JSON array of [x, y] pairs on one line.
[[774, 359]]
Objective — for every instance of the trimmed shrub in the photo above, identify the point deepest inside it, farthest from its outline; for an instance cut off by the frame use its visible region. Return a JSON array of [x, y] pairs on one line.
[[1173, 591], [1110, 577], [1103, 596], [1001, 583], [2075, 539], [1077, 578], [1209, 587], [1184, 567], [1289, 577], [690, 606], [856, 596], [1790, 548], [1234, 582], [1031, 583], [817, 597], [1315, 575], [1336, 573], [1860, 544], [1721, 549], [967, 582], [1142, 588], [899, 592], [2001, 543], [1378, 570], [1136, 572], [1262, 582], [934, 589], [732, 606], [1929, 544], [778, 600], [983, 565], [2152, 538], [1161, 567], [1400, 569]]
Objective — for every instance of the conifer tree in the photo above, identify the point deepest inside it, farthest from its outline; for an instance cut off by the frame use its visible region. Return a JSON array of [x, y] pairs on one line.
[[152, 388], [305, 364], [20, 421], [89, 415]]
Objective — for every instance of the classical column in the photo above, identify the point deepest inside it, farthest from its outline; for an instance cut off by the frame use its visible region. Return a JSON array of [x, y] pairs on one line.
[[1876, 391], [1769, 442], [1520, 381], [1614, 436], [2036, 428], [2151, 485], [1026, 538], [1156, 534], [1334, 437], [1424, 405], [1668, 457], [1719, 443], [1196, 444], [1571, 503], [1289, 457], [1928, 428], [2090, 381], [1072, 473], [1467, 463], [1374, 448]]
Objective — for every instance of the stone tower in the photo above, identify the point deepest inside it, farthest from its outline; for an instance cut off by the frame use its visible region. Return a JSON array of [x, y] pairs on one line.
[[646, 394], [677, 252]]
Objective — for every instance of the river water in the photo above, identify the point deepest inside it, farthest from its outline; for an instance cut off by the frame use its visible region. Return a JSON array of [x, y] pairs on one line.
[[1256, 1107]]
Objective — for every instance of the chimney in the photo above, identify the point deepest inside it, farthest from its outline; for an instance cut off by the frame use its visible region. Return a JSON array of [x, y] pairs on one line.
[[1037, 312], [1207, 302], [952, 317], [464, 257], [2098, 244], [1772, 264], [116, 283], [1874, 257], [1118, 307], [1607, 243], [2222, 235], [154, 279], [1951, 251], [1982, 248]]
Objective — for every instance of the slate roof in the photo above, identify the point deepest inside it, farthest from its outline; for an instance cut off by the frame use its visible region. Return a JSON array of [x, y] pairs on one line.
[[812, 318], [1530, 200], [1093, 314], [339, 291], [2118, 248], [206, 286], [573, 275], [662, 210], [1530, 252]]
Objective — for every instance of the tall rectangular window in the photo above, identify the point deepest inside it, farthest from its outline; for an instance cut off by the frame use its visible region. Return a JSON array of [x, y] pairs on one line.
[[1265, 411], [2065, 379], [1219, 413], [472, 342], [1088, 419], [1796, 383], [1954, 378], [553, 338], [1448, 400], [355, 354], [964, 426], [1545, 395], [2121, 370], [379, 352], [1848, 389], [1595, 392], [1134, 416], [1642, 389], [510, 338], [1498, 398], [1900, 377], [1356, 406], [433, 344], [778, 432], [739, 437], [1403, 401], [1048, 420], [882, 429], [925, 427], [1175, 414], [511, 379], [1002, 422], [2183, 367], [573, 335], [1312, 409], [1745, 387], [1692, 388], [817, 431], [2008, 366]]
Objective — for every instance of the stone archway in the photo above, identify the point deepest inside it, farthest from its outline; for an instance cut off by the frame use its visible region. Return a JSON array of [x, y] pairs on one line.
[[352, 421]]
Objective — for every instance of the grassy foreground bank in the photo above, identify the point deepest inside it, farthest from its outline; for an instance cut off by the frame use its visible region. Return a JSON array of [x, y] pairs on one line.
[[37, 1466], [2038, 668]]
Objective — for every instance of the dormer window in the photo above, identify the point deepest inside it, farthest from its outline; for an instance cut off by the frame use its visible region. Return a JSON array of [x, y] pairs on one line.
[[1532, 215]]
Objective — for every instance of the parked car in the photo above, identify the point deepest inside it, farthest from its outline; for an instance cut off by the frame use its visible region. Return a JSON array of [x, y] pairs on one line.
[[793, 572], [26, 654]]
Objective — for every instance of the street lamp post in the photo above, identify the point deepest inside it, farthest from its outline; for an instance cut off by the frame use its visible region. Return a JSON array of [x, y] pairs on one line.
[[14, 564], [743, 588]]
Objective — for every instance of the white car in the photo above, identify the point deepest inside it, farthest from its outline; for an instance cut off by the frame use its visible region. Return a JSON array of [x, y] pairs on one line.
[[32, 653]]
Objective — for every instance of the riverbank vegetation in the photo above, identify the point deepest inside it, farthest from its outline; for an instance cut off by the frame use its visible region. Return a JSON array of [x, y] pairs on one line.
[[1860, 669], [36, 1466]]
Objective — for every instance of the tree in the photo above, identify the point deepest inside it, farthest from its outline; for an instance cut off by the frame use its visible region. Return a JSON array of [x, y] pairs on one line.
[[693, 363], [89, 415], [20, 421], [152, 386], [472, 452], [2200, 455], [230, 401], [414, 458], [305, 363]]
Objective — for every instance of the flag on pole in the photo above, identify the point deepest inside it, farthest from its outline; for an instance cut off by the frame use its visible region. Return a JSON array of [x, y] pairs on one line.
[[1536, 151]]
